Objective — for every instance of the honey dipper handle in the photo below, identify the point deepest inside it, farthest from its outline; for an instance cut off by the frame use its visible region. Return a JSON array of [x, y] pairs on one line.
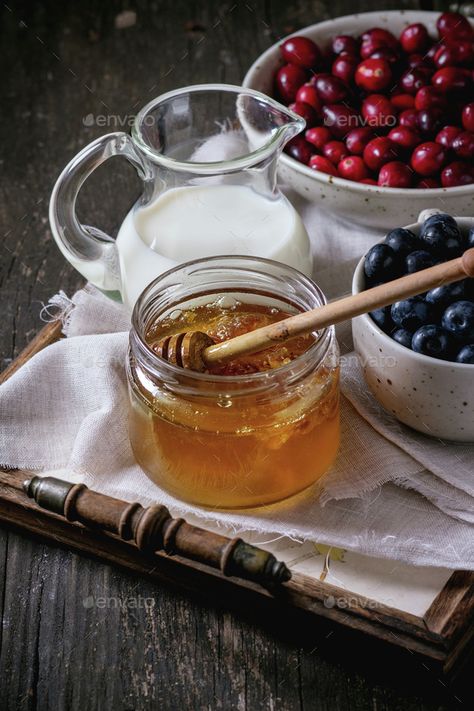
[[342, 309]]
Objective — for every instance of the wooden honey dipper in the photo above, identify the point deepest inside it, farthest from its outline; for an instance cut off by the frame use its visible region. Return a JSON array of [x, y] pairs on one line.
[[197, 351]]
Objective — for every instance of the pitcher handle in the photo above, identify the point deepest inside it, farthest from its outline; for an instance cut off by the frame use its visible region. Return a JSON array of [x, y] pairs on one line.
[[92, 252]]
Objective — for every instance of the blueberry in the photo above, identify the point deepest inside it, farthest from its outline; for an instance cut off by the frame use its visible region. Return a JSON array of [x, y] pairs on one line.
[[402, 241], [458, 319], [382, 318], [434, 341], [470, 238], [466, 354], [402, 336], [442, 296], [419, 259], [440, 217], [441, 234], [411, 313], [381, 263]]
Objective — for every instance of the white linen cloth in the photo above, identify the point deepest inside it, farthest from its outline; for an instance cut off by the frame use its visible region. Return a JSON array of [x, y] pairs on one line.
[[392, 493]]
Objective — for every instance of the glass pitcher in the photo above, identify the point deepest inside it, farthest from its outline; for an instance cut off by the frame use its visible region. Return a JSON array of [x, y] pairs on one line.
[[207, 156]]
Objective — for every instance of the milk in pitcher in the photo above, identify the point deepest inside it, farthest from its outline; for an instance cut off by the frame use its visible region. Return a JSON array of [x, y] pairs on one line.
[[201, 221]]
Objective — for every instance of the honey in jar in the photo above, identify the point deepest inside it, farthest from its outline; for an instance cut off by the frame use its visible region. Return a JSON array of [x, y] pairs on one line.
[[254, 431]]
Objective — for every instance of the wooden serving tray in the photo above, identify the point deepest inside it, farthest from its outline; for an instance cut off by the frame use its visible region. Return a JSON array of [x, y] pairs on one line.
[[440, 628]]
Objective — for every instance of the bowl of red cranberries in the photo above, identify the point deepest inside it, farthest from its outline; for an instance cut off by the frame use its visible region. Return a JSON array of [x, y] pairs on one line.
[[418, 354], [388, 100]]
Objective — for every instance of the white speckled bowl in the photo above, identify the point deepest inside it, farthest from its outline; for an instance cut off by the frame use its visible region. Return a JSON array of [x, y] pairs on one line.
[[365, 204], [433, 396]]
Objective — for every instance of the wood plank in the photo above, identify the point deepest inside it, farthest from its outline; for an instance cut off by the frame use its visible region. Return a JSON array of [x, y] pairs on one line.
[[448, 612], [47, 335]]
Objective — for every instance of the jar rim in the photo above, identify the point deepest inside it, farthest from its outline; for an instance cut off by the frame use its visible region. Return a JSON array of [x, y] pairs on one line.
[[162, 368]]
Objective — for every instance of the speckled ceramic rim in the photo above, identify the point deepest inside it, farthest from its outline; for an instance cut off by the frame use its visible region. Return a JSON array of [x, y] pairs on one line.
[[345, 23], [357, 287]]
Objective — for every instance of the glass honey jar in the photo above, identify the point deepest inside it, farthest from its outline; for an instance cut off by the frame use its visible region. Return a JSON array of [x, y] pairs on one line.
[[255, 431]]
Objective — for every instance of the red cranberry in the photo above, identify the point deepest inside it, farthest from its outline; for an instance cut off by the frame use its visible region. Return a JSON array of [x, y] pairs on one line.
[[427, 183], [395, 175], [416, 60], [314, 76], [378, 111], [324, 165], [357, 139], [299, 149], [457, 173], [369, 181], [455, 54], [429, 97], [373, 74], [389, 55], [339, 118], [428, 158], [288, 80], [451, 79], [409, 118], [379, 151], [414, 38], [464, 51], [463, 145], [345, 43], [318, 136], [447, 58], [344, 67], [429, 121], [331, 89], [468, 117], [404, 137], [447, 135], [301, 51], [308, 95], [453, 24], [374, 39], [305, 111], [402, 101], [414, 79], [380, 35], [353, 168], [335, 151]]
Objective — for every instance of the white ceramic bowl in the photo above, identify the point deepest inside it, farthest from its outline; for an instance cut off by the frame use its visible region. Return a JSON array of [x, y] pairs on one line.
[[365, 204], [433, 396]]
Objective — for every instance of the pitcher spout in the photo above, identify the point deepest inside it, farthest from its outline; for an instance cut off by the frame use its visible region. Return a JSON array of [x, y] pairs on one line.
[[267, 123], [292, 124]]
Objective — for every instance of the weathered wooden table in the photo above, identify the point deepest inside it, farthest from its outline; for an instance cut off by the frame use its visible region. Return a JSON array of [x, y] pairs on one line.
[[78, 634]]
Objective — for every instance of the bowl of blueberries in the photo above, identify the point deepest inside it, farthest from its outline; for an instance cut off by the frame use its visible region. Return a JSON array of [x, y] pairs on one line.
[[418, 354], [388, 100]]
